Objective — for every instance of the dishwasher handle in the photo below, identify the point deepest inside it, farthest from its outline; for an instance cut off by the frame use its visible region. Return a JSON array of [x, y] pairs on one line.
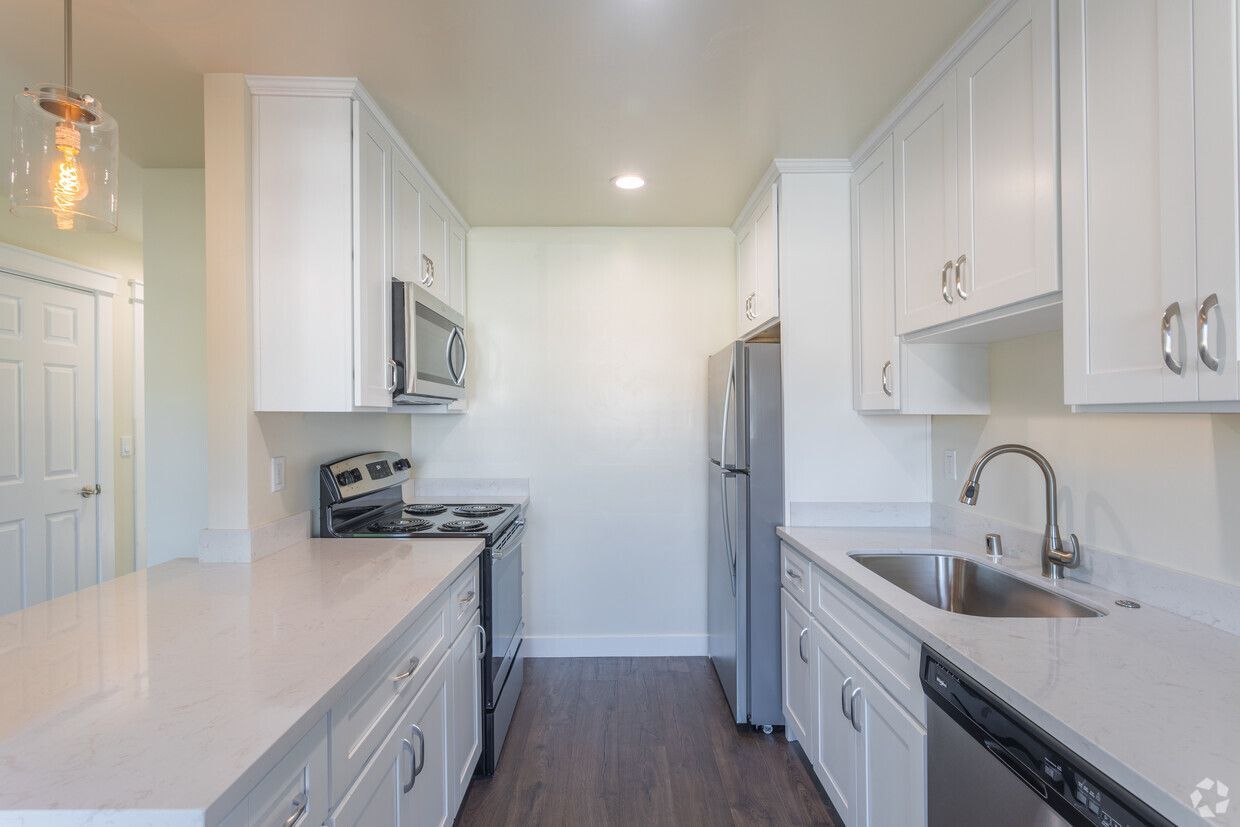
[[1018, 768]]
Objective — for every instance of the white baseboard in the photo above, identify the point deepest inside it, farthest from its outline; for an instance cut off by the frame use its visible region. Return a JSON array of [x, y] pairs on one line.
[[247, 545], [613, 646]]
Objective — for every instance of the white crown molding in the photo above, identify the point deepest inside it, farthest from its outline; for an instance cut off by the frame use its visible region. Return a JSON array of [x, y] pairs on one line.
[[22, 262], [137, 292], [790, 166], [979, 26], [325, 87]]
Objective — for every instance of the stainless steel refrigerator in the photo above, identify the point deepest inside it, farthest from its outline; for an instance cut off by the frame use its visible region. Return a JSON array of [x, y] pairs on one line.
[[746, 468]]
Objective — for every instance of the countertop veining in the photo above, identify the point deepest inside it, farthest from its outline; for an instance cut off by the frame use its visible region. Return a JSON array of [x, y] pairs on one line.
[[1148, 697], [174, 689]]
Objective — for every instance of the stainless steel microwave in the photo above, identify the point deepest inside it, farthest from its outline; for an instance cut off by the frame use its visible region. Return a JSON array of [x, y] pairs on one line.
[[428, 347]]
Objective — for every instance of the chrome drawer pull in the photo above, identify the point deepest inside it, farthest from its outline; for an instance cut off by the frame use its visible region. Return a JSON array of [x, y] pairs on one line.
[[467, 597], [1203, 331], [959, 268], [413, 667], [844, 699], [947, 290], [413, 764], [801, 645], [852, 707], [1172, 311], [795, 575], [887, 389], [299, 810]]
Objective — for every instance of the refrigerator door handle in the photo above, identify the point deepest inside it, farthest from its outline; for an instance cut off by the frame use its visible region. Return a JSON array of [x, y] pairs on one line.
[[727, 400], [727, 525]]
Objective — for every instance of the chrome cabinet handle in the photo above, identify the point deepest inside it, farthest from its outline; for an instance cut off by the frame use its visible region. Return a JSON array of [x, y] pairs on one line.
[[1203, 331], [794, 574], [428, 271], [947, 290], [413, 667], [887, 389], [467, 597], [416, 732], [844, 699], [801, 645], [299, 810], [1172, 311], [391, 368], [413, 772], [482, 641], [958, 268], [751, 311], [852, 707], [88, 491]]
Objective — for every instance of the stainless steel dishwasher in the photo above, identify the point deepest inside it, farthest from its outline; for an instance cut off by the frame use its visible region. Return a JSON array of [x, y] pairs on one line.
[[988, 765]]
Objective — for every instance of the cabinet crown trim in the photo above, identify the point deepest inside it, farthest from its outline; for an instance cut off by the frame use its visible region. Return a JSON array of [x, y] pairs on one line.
[[783, 166]]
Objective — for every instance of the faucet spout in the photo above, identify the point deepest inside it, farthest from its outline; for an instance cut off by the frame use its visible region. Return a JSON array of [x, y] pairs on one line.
[[1055, 556]]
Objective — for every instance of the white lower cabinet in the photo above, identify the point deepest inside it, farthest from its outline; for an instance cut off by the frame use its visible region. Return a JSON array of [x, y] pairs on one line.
[[867, 750], [466, 731]]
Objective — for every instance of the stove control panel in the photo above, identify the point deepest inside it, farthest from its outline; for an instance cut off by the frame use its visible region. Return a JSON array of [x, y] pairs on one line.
[[363, 474]]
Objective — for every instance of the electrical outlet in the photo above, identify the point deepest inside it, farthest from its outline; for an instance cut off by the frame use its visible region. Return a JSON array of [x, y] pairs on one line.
[[277, 474], [949, 464]]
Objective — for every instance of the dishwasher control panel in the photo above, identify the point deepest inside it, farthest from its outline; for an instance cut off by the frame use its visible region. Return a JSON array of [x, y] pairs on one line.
[[1077, 791]]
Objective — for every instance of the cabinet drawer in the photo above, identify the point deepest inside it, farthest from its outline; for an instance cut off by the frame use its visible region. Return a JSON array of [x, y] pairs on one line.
[[463, 599], [368, 711], [794, 573], [891, 655], [297, 786]]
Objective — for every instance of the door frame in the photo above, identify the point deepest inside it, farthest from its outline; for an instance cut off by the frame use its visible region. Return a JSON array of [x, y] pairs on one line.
[[58, 272]]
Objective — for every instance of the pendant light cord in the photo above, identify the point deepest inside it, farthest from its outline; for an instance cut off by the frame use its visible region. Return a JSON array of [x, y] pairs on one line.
[[68, 43]]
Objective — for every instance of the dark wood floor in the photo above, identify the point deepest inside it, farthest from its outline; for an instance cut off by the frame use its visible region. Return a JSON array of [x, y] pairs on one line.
[[639, 741]]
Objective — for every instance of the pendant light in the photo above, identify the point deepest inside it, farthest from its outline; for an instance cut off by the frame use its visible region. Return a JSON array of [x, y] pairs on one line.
[[65, 154]]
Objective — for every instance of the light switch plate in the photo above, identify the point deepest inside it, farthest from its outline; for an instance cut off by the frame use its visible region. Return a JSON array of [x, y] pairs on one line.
[[127, 446], [277, 474], [949, 465]]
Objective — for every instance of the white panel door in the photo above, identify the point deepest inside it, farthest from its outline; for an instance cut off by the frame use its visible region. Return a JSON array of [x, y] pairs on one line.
[[766, 270], [48, 535], [456, 268], [373, 377], [431, 802], [1005, 87], [407, 189], [892, 773], [925, 209], [436, 273], [836, 746], [466, 707], [798, 673], [1128, 191], [746, 278], [876, 360], [1218, 272]]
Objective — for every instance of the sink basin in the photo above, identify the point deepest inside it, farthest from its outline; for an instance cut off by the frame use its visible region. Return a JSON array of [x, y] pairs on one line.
[[964, 586]]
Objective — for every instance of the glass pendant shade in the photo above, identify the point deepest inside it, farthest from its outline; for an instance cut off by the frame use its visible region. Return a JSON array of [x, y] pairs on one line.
[[65, 161]]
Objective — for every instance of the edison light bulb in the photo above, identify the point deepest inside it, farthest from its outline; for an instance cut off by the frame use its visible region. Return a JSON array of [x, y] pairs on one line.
[[68, 179]]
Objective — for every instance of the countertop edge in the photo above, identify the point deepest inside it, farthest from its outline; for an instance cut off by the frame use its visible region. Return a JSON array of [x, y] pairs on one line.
[[1111, 765]]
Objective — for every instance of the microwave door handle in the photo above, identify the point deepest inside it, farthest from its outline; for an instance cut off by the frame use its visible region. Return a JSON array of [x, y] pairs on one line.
[[411, 360], [447, 355], [460, 335]]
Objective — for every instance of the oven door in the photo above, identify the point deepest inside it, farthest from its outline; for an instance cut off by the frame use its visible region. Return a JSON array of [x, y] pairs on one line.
[[504, 625], [428, 346]]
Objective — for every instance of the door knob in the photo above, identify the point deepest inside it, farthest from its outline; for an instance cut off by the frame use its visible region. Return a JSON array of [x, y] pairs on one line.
[[86, 491]]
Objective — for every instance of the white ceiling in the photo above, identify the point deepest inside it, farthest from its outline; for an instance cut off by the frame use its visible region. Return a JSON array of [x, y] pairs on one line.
[[524, 109]]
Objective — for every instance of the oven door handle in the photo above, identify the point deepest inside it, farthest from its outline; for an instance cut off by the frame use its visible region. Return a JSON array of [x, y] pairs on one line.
[[509, 541]]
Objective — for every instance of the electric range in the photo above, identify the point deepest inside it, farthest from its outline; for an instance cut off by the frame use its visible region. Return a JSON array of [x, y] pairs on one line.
[[360, 497]]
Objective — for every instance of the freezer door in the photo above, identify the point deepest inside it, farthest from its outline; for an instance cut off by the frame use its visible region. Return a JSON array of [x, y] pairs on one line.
[[727, 398], [726, 585]]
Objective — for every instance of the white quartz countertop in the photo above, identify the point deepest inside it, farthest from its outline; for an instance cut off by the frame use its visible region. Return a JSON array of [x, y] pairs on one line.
[[174, 690], [1148, 697]]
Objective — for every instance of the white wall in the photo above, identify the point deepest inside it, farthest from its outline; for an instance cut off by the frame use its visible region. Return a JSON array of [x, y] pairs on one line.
[[176, 362], [588, 356], [832, 455], [1161, 488]]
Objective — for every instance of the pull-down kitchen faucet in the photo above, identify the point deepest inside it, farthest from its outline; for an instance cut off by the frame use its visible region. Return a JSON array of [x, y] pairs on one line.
[[1055, 557]]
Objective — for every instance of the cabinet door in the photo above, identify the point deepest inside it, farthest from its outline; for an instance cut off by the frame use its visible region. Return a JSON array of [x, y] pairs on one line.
[[375, 799], [746, 278], [436, 273], [766, 266], [876, 364], [456, 268], [1009, 245], [892, 772], [372, 302], [466, 708], [836, 745], [432, 801], [407, 190], [925, 209], [798, 673], [1127, 153], [1218, 272]]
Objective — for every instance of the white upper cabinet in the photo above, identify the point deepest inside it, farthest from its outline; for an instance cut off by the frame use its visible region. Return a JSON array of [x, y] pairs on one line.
[[925, 210], [975, 178], [333, 223], [1006, 191], [757, 264], [1148, 111]]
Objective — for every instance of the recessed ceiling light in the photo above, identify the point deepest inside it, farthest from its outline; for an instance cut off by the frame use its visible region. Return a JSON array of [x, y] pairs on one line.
[[629, 182]]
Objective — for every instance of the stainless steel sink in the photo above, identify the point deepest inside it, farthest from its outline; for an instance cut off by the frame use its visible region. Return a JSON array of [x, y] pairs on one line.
[[964, 586]]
